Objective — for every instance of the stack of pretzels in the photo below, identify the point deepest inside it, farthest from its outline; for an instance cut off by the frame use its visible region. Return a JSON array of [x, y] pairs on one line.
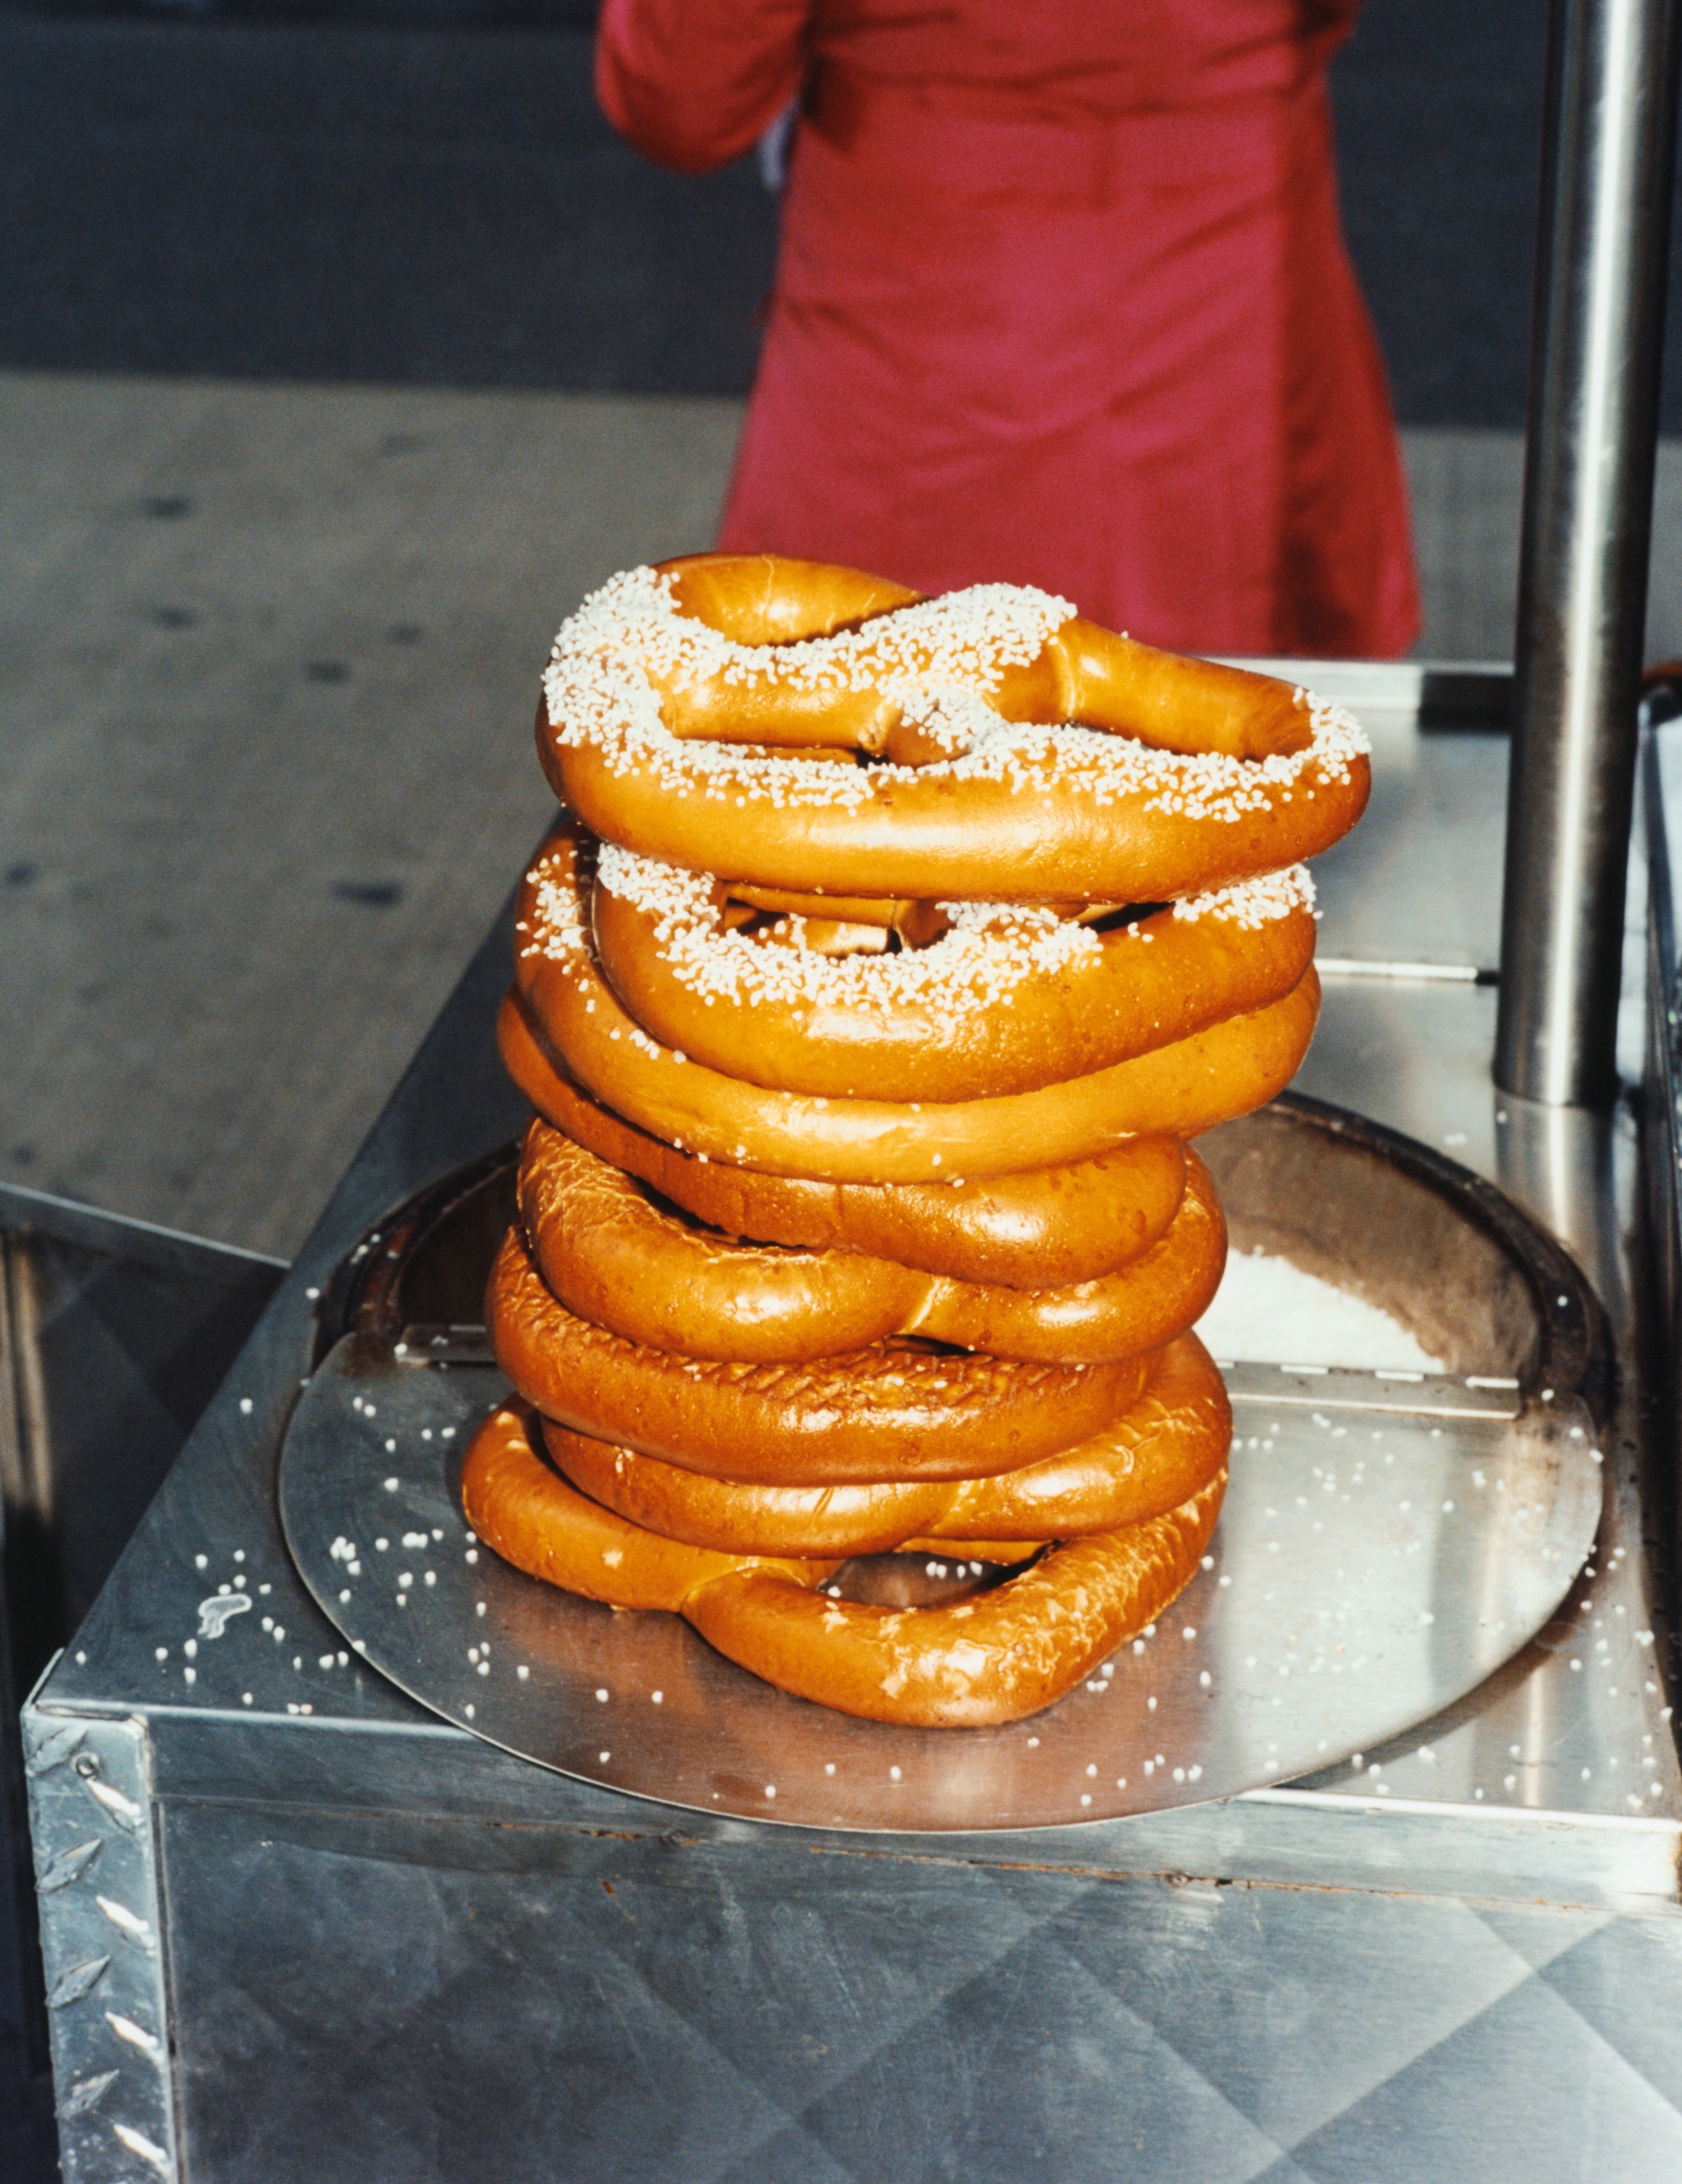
[[887, 953]]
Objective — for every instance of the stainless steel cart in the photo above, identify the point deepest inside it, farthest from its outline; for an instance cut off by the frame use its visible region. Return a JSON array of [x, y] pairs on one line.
[[114, 1336], [297, 1925]]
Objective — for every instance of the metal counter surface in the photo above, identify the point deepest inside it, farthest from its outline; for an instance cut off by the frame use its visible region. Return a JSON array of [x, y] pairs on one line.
[[1412, 1053], [348, 1940], [114, 1335]]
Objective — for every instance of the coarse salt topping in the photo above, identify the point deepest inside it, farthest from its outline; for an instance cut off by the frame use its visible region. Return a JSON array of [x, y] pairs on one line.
[[988, 951], [961, 641], [1255, 903], [938, 659]]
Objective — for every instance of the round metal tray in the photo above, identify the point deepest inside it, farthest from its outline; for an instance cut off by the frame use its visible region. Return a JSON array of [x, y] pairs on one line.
[[1386, 1542]]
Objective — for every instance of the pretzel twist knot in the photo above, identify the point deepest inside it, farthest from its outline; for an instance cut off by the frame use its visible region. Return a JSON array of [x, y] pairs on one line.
[[1024, 754], [887, 956]]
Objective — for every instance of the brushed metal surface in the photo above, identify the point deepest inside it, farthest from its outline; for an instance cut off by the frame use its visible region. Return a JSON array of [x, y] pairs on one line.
[[1596, 342], [640, 2003], [1388, 1542], [1372, 1566]]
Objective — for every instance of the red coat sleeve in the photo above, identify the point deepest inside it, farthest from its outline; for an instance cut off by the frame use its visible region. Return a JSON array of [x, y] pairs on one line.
[[693, 83], [1326, 25]]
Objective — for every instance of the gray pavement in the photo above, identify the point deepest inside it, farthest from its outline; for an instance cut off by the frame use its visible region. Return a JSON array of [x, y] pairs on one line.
[[268, 660], [268, 663]]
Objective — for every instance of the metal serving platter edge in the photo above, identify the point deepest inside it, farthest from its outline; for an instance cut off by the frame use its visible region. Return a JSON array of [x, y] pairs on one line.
[[1386, 1545]]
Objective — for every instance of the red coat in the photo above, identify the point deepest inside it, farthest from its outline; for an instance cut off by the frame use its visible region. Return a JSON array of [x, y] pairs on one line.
[[1062, 299]]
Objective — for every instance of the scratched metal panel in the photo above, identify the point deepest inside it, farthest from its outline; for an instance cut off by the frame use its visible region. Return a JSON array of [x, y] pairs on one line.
[[445, 2001]]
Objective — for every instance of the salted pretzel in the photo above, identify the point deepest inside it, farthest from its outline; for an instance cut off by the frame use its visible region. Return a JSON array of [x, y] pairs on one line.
[[1045, 663], [1007, 998], [992, 1657], [1186, 1088], [613, 1256], [860, 900], [895, 1411], [1042, 1228], [534, 1519], [1161, 1450], [678, 700]]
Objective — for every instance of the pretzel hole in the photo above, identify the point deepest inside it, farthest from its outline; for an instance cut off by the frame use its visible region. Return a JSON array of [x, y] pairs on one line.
[[811, 927], [1111, 919], [927, 1345], [697, 1226], [809, 753], [845, 925], [922, 1578]]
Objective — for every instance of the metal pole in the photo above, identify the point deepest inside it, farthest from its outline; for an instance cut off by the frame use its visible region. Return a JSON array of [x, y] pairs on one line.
[[1596, 339]]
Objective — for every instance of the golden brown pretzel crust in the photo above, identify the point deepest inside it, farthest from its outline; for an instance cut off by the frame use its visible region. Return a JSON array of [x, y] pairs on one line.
[[885, 895], [1058, 818], [612, 1257], [1155, 1456], [994, 1658], [991, 1658], [1125, 992], [1082, 672], [893, 1412], [1044, 1229], [1210, 1077], [774, 598], [534, 1519], [1031, 840]]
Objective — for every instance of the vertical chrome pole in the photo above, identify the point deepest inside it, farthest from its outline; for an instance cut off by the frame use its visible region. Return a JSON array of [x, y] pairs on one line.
[[1596, 341]]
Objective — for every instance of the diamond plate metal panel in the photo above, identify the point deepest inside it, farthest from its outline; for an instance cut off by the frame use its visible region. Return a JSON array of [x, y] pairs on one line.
[[1625, 1979], [1033, 2069], [91, 1817], [1290, 2005], [1526, 2090], [454, 1999]]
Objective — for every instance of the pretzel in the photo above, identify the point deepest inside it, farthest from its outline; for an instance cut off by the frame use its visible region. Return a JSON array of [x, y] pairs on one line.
[[1047, 665], [992, 1657], [612, 1257], [891, 1411], [1185, 1087], [884, 896], [1044, 1229], [1213, 775], [1157, 1453], [1005, 1000], [538, 1522]]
